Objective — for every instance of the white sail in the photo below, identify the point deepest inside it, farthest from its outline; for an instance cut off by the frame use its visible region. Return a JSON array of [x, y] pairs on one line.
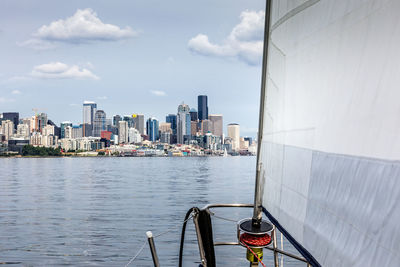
[[331, 139]]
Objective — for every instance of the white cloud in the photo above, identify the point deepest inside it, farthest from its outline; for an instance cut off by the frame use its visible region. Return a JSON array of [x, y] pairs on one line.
[[102, 97], [158, 93], [58, 70], [82, 27], [37, 44], [16, 92], [6, 100], [245, 41]]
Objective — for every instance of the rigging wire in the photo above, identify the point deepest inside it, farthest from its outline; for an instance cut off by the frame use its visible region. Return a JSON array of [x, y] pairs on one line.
[[222, 218], [158, 235], [137, 254]]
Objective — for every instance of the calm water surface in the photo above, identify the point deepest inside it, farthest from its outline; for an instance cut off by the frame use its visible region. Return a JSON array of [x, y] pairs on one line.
[[95, 211]]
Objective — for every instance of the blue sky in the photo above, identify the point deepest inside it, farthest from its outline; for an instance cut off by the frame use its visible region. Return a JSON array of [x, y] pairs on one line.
[[131, 57]]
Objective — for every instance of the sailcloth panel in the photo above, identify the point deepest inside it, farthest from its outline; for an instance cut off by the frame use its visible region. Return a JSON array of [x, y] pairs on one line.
[[331, 139]]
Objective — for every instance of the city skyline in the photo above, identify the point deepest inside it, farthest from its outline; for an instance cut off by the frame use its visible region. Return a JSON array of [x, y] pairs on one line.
[[133, 63]]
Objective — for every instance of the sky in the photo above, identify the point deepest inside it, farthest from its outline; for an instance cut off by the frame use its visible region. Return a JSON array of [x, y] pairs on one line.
[[141, 56]]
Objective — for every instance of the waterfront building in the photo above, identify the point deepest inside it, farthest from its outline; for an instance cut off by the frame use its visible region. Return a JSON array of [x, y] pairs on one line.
[[89, 110], [152, 129], [62, 126], [16, 144], [138, 120], [68, 132], [99, 123], [234, 134], [217, 124], [134, 136], [36, 139], [23, 130], [122, 132], [77, 131], [193, 114], [183, 123], [202, 107], [11, 116]]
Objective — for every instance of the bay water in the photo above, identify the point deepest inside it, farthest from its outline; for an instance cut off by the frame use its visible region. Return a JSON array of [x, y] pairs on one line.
[[96, 211]]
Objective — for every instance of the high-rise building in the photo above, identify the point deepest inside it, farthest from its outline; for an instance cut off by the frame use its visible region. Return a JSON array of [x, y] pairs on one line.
[[89, 109], [48, 130], [183, 123], [152, 129], [8, 129], [41, 121], [138, 120], [99, 123], [122, 132], [68, 132], [77, 131], [193, 128], [57, 130], [12, 116], [206, 127], [129, 120], [234, 134], [23, 130], [63, 125], [165, 127], [217, 124], [202, 107], [193, 114], [171, 118], [116, 119], [134, 136]]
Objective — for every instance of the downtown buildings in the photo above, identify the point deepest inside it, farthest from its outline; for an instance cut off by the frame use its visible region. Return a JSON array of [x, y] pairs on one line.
[[188, 127]]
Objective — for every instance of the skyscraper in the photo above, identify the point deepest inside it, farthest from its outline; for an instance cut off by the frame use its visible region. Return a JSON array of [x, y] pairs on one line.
[[202, 107], [217, 124], [138, 120], [89, 109], [183, 123], [234, 133], [8, 129], [122, 132], [171, 118], [41, 121], [193, 114], [12, 116], [99, 123], [116, 119], [152, 129], [206, 127]]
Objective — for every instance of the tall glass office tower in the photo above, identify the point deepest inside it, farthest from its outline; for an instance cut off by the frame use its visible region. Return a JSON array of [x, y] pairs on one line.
[[152, 129], [202, 107], [89, 109]]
